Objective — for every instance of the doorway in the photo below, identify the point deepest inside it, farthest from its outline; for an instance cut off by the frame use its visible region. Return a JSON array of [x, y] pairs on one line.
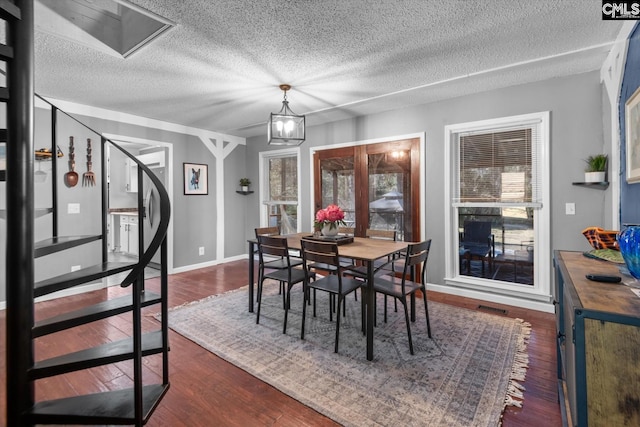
[[377, 185], [123, 196]]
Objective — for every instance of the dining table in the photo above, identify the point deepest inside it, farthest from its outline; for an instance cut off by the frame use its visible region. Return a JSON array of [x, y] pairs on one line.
[[361, 249]]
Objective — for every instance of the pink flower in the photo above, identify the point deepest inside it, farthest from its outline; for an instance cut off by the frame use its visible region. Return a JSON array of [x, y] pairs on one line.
[[321, 215], [332, 215]]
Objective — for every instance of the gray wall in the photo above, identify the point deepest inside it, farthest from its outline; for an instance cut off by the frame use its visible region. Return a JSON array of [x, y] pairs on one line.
[[577, 125], [194, 217]]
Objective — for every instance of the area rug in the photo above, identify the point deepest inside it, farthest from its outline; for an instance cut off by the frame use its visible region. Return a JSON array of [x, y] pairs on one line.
[[464, 376]]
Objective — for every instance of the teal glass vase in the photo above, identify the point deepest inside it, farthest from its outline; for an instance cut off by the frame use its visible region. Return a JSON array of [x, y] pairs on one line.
[[629, 243]]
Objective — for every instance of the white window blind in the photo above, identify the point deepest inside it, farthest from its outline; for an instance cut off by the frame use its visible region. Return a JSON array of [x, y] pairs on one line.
[[498, 168]]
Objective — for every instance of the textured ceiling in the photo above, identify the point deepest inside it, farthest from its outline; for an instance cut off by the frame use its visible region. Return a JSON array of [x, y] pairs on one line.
[[220, 67]]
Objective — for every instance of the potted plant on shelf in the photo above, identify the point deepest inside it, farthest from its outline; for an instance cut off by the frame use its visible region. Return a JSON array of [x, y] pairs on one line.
[[245, 183], [596, 168]]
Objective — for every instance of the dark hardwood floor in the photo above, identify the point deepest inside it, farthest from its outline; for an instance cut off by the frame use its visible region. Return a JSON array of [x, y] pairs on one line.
[[207, 391]]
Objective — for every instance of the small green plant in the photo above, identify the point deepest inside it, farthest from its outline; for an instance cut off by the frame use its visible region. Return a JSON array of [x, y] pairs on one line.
[[245, 182], [597, 163]]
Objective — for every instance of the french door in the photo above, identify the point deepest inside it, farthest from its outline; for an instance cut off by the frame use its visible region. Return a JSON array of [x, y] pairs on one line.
[[377, 185]]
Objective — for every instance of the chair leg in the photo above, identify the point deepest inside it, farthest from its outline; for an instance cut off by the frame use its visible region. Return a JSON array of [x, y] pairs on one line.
[[286, 308], [259, 302], [406, 318], [304, 310], [385, 309], [340, 302], [426, 311], [363, 315]]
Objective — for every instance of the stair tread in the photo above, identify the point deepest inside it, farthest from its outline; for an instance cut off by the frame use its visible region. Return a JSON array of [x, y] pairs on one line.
[[91, 313], [9, 10], [6, 52], [112, 352], [78, 277], [60, 243], [111, 407]]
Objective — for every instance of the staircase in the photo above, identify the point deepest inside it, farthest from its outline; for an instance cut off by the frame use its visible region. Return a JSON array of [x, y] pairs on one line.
[[130, 406]]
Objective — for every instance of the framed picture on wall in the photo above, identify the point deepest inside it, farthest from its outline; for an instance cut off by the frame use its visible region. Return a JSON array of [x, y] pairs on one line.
[[632, 126], [196, 178]]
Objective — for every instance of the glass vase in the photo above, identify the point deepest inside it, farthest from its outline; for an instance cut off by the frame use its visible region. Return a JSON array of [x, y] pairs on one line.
[[629, 242]]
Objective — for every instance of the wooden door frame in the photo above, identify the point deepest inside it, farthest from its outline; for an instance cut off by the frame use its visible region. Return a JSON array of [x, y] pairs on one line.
[[360, 154]]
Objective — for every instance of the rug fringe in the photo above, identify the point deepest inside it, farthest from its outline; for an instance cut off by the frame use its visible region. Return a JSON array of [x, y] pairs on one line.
[[515, 395]]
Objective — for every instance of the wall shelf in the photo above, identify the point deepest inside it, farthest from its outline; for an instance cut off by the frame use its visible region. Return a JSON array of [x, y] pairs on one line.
[[600, 185], [244, 193]]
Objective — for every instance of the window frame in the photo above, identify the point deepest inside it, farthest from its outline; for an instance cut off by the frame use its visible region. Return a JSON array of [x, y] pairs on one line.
[[541, 290], [263, 171]]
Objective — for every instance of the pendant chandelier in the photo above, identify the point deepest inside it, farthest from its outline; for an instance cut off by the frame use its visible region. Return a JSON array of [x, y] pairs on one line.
[[285, 127]]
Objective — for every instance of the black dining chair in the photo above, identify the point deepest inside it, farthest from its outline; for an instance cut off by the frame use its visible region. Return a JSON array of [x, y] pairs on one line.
[[386, 265], [335, 284], [477, 243], [287, 277], [278, 263], [400, 288]]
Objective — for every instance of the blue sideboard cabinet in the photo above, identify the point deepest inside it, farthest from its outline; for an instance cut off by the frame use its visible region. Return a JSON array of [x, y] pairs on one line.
[[598, 344]]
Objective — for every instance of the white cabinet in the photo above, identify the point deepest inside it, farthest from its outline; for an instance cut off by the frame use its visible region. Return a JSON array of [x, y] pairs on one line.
[[131, 169], [129, 234]]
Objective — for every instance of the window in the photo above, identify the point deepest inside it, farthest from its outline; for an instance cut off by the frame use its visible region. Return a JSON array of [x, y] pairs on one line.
[[499, 211], [279, 191]]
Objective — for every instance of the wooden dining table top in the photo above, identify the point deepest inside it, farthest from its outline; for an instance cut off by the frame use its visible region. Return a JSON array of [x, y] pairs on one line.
[[362, 248]]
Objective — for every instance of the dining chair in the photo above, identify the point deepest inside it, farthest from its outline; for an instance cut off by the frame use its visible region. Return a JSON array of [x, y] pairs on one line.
[[287, 277], [360, 271], [477, 242], [416, 256], [279, 263], [335, 284]]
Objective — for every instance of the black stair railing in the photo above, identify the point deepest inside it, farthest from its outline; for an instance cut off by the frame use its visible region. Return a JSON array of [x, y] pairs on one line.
[[127, 406]]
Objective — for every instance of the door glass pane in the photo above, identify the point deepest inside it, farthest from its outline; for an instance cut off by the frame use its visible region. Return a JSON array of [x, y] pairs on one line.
[[281, 205], [497, 243], [338, 186], [390, 193]]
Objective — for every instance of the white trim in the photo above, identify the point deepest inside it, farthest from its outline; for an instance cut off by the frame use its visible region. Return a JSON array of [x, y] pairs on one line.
[[191, 267], [170, 172], [422, 144], [542, 251], [264, 181], [116, 116], [495, 298]]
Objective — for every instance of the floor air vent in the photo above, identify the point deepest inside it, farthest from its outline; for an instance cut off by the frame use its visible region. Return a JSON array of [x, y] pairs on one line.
[[493, 309]]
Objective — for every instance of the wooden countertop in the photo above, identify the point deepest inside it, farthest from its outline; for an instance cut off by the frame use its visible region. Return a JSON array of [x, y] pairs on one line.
[[124, 211], [616, 298]]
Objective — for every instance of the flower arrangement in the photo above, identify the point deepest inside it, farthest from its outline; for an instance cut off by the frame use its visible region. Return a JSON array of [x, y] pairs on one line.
[[331, 216]]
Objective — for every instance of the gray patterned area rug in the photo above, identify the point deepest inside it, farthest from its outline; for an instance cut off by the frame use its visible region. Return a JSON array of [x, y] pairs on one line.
[[464, 376]]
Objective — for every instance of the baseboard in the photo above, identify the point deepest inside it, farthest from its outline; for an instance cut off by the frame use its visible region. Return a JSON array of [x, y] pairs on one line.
[[492, 297], [207, 264]]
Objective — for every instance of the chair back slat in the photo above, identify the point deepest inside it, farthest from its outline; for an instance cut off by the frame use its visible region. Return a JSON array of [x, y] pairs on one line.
[[320, 252], [267, 231], [349, 231], [275, 246], [417, 253], [381, 234]]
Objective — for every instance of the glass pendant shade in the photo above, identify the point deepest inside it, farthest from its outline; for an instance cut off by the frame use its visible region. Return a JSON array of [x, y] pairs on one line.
[[285, 127]]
